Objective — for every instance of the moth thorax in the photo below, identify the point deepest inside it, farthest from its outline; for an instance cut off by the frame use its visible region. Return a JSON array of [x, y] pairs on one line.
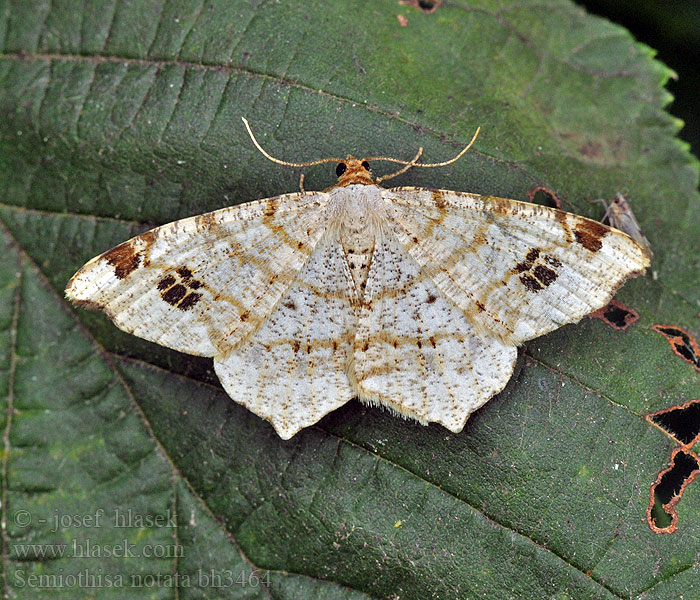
[[361, 212], [359, 247]]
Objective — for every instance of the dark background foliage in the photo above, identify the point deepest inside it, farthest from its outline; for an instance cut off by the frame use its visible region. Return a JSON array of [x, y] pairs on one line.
[[673, 29]]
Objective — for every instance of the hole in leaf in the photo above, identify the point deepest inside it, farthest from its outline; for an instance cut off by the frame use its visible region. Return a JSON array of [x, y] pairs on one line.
[[673, 480], [427, 6], [682, 343], [616, 315], [668, 489], [543, 195], [660, 518], [682, 423]]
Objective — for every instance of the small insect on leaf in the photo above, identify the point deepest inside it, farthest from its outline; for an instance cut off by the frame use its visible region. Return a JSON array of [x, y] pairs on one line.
[[619, 214]]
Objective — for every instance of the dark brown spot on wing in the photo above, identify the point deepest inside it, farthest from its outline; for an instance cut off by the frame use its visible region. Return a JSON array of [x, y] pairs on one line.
[[589, 234], [522, 266], [550, 260], [532, 255], [124, 259], [439, 198], [560, 216], [535, 275], [270, 208], [480, 306], [545, 274], [184, 272], [166, 282], [189, 301], [148, 238], [204, 222], [531, 283], [175, 294]]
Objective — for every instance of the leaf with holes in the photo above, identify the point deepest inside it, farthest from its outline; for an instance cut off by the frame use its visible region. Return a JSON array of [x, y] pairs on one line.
[[127, 462]]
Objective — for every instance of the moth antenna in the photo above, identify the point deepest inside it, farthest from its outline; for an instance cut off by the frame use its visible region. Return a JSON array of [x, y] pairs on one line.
[[403, 169], [284, 162], [456, 158], [413, 163]]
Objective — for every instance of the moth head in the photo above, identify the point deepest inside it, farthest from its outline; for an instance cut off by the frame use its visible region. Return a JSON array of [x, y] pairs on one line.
[[354, 170]]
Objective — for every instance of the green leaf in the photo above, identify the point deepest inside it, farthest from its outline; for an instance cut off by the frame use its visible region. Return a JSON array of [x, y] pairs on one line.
[[119, 117]]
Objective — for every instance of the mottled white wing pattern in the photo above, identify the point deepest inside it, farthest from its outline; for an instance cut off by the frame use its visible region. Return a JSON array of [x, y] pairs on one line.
[[517, 270], [416, 351], [294, 370], [204, 284]]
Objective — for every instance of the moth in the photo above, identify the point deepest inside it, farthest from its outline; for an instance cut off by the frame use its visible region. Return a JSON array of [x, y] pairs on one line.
[[410, 298]]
